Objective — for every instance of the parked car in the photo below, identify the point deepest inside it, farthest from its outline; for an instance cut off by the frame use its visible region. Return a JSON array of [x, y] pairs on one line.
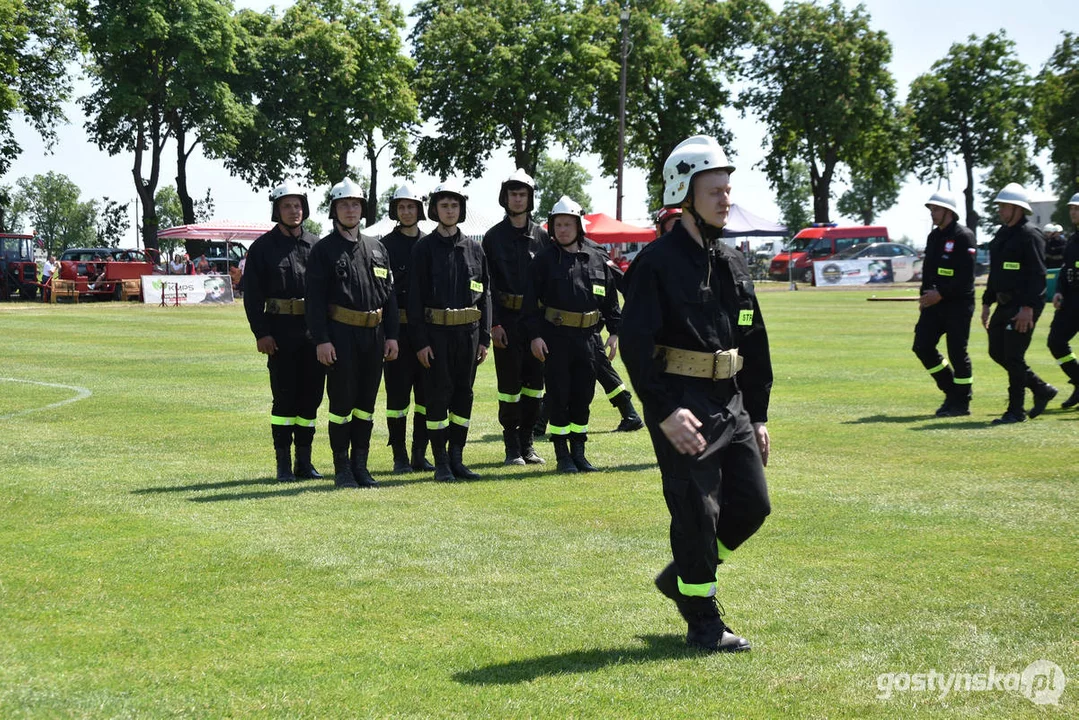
[[101, 271], [981, 260], [819, 242], [906, 262]]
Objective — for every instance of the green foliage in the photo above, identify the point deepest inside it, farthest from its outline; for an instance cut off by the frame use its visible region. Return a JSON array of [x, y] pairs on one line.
[[971, 104], [496, 72], [794, 196], [55, 212], [1055, 109], [37, 40], [555, 178], [170, 213], [1014, 164], [683, 57], [312, 226], [877, 178], [112, 223], [824, 92]]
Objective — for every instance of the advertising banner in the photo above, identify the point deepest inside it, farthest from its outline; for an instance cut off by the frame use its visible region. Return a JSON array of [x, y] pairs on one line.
[[853, 272], [186, 289]]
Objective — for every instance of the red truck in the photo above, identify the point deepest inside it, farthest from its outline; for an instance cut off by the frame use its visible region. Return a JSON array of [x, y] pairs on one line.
[[100, 272], [18, 271], [818, 242]]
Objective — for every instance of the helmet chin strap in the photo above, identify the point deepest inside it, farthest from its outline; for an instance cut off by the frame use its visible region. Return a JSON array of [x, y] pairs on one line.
[[709, 232]]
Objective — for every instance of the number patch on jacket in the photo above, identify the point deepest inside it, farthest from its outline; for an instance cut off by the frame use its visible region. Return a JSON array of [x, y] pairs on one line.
[[946, 272], [745, 317], [381, 273], [599, 290], [1011, 266], [475, 285]]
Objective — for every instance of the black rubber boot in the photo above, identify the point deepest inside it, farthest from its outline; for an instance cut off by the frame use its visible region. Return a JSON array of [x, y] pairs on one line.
[[359, 468], [396, 428], [1042, 396], [530, 407], [576, 453], [443, 473], [303, 467], [513, 448], [284, 464], [1072, 400], [528, 450], [561, 453], [419, 444], [631, 421], [707, 631], [458, 435], [342, 470]]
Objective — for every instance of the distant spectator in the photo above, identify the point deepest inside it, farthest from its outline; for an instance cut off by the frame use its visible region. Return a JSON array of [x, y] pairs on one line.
[[1054, 245], [202, 265], [180, 265], [47, 271]]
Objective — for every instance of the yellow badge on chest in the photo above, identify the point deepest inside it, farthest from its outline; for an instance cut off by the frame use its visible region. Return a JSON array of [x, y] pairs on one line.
[[381, 273], [1011, 266], [599, 290], [475, 285], [745, 317], [945, 272]]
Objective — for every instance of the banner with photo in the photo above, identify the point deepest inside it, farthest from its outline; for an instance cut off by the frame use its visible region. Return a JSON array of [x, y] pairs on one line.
[[186, 289], [853, 272]]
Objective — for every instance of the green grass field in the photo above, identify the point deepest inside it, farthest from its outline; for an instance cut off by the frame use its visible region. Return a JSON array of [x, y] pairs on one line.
[[150, 567]]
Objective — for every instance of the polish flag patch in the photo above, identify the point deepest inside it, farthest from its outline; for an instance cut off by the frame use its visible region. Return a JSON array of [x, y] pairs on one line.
[[949, 246]]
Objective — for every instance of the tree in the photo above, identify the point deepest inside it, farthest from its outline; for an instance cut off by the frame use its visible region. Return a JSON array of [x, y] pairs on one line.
[[112, 223], [496, 72], [1015, 164], [304, 73], [970, 104], [37, 40], [170, 213], [555, 178], [824, 92], [684, 57], [876, 183], [59, 219], [1055, 109], [793, 195]]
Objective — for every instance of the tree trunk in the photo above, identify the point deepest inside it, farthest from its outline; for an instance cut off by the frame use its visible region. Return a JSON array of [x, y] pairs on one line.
[[821, 183], [146, 188], [968, 196], [372, 188], [187, 205]]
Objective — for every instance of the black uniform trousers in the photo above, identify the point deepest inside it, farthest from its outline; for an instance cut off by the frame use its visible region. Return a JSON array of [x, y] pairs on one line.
[[1064, 327], [1008, 348], [297, 383], [607, 376], [717, 503], [570, 374], [352, 384], [404, 378], [447, 384], [952, 319], [520, 379]]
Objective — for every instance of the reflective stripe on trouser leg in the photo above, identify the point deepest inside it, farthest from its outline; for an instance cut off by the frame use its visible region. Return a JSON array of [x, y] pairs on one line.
[[938, 368], [363, 415], [397, 413], [532, 392], [437, 424], [339, 419], [1066, 358], [303, 431], [507, 398], [697, 589], [580, 429], [617, 391], [458, 420], [558, 429], [963, 381], [278, 420]]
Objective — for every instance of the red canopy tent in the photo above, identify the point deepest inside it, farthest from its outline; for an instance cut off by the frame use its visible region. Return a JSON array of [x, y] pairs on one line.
[[604, 229], [217, 231]]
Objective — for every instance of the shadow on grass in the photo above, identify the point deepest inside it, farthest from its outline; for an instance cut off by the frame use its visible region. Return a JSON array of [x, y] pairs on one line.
[[888, 419], [956, 425], [280, 490], [200, 487], [657, 647]]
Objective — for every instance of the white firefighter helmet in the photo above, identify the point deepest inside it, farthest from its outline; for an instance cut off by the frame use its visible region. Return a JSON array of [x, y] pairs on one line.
[[405, 192], [944, 199], [699, 153], [347, 188], [1014, 194], [566, 206], [519, 177], [288, 189], [446, 187], [1074, 200], [1052, 228]]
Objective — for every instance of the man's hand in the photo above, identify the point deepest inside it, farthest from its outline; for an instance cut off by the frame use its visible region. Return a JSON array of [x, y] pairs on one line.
[[425, 355], [1057, 299], [266, 345], [1023, 321], [928, 299], [390, 350], [498, 337], [326, 353], [680, 428], [985, 316], [612, 346], [539, 349], [764, 443], [481, 354]]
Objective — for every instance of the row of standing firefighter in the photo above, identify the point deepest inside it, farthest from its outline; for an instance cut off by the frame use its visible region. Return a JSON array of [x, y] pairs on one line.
[[333, 315]]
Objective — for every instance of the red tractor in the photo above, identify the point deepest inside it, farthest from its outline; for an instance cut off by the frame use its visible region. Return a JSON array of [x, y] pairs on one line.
[[18, 270], [101, 272]]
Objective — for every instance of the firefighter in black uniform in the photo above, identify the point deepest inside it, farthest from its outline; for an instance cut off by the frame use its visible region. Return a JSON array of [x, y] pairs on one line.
[[691, 316], [352, 313], [449, 320], [404, 375], [947, 304], [570, 291], [509, 247], [1066, 301], [1017, 285], [276, 271], [1054, 245]]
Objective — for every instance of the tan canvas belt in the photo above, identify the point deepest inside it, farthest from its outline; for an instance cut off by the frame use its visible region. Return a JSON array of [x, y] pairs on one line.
[[565, 318], [451, 316], [356, 318], [402, 317], [281, 306], [720, 365], [511, 302]]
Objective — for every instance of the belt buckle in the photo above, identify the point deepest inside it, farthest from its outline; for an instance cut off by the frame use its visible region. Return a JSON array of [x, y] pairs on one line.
[[558, 319], [715, 364]]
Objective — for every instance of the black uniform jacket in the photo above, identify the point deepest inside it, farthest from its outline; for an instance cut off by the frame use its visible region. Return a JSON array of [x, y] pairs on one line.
[[509, 250], [447, 272], [400, 247], [949, 262], [684, 296], [619, 276], [354, 275], [1068, 279], [1016, 266], [276, 267], [578, 282]]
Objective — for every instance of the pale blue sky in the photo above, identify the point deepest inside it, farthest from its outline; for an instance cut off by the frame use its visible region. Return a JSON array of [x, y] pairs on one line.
[[921, 32]]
